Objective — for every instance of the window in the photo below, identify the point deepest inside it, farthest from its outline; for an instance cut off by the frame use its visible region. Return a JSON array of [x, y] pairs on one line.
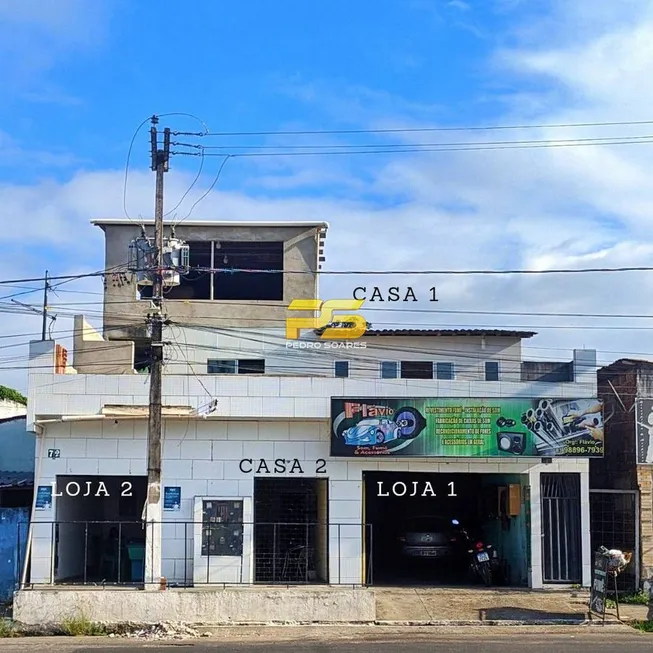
[[491, 371], [341, 368], [389, 369], [237, 286], [416, 370], [444, 371], [243, 366]]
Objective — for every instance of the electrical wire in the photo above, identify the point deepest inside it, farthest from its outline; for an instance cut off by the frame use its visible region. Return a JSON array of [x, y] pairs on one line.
[[129, 152], [413, 150], [210, 188], [599, 139], [406, 130]]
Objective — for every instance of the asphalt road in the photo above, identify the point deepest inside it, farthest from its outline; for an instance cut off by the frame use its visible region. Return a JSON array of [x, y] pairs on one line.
[[412, 640]]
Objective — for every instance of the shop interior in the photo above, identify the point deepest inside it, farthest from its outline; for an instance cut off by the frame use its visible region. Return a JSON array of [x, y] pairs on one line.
[[291, 530], [492, 508], [100, 537]]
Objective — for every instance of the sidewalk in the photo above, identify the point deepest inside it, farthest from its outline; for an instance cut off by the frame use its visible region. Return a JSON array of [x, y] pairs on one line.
[[469, 606]]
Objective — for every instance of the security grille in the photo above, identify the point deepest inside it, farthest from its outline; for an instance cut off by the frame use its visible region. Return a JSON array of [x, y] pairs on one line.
[[561, 532]]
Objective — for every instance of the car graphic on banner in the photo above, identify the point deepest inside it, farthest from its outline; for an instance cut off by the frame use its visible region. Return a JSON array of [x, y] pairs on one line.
[[467, 427]]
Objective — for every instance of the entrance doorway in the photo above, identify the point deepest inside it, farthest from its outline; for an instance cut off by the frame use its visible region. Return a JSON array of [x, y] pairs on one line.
[[99, 536], [291, 530], [561, 531], [450, 513]]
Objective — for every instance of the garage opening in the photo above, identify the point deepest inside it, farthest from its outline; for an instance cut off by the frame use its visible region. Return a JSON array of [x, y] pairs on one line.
[[422, 525], [99, 535], [291, 530]]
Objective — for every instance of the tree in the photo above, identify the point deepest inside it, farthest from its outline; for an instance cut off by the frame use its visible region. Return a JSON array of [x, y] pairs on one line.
[[12, 395]]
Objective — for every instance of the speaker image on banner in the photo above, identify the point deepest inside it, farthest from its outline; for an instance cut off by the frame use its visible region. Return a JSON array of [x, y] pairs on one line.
[[514, 443]]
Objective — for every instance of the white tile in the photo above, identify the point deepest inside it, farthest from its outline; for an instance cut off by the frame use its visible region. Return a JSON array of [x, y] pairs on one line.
[[71, 448], [273, 431], [182, 469], [226, 386], [311, 407], [139, 467], [104, 448], [347, 490], [184, 430], [295, 387], [277, 407], [211, 429], [263, 387], [73, 385], [427, 467], [195, 488], [225, 489], [259, 449], [113, 467], [454, 467], [196, 450], [304, 431], [171, 449], [208, 469], [175, 385], [132, 449], [81, 466], [289, 450], [344, 511], [228, 450], [336, 470], [242, 430], [315, 450], [232, 468], [246, 488]]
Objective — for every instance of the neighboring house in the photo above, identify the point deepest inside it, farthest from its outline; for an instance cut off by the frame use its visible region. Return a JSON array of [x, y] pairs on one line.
[[16, 491], [267, 474], [622, 503]]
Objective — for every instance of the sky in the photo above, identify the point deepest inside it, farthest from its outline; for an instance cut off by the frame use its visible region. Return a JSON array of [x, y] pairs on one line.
[[79, 77]]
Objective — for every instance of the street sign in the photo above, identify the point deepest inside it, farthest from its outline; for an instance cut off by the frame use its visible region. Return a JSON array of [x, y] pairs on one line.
[[599, 584]]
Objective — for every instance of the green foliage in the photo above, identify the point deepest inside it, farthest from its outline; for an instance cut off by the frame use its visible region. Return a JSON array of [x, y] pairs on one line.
[[644, 626], [81, 626], [7, 629], [12, 395], [639, 598]]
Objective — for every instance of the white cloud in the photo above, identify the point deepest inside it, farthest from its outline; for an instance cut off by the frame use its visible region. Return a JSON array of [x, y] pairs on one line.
[[536, 209]]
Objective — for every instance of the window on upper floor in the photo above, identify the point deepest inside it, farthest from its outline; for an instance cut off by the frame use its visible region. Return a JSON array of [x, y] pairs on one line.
[[341, 368], [241, 366], [262, 278], [491, 371], [416, 369], [389, 369], [444, 371]]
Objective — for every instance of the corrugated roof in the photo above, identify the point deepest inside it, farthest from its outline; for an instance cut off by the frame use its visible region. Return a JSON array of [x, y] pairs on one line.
[[16, 479], [501, 333]]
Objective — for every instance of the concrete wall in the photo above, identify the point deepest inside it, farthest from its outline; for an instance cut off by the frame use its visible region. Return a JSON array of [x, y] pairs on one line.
[[192, 347], [231, 606], [11, 409], [92, 354], [124, 316], [16, 446], [203, 458]]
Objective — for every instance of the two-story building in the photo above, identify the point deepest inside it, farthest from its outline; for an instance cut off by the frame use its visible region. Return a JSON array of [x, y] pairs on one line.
[[302, 460]]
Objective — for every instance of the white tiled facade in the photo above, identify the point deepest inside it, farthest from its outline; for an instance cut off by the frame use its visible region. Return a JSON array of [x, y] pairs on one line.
[[267, 417]]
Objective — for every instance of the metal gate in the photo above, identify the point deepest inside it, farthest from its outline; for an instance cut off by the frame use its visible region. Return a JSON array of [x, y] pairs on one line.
[[561, 528], [614, 523]]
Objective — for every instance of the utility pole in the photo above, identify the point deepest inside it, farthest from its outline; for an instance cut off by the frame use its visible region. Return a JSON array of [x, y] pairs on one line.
[[152, 576], [46, 287]]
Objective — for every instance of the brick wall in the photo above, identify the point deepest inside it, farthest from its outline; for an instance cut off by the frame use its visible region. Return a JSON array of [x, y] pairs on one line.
[[645, 482]]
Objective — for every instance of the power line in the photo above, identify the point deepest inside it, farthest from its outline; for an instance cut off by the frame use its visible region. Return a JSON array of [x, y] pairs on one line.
[[412, 150], [599, 140], [407, 130]]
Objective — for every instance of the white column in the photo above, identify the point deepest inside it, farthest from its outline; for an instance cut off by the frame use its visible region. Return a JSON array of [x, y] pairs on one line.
[[535, 564], [586, 545]]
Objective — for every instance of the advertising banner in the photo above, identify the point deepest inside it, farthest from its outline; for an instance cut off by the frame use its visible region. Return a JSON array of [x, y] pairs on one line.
[[644, 431], [466, 428]]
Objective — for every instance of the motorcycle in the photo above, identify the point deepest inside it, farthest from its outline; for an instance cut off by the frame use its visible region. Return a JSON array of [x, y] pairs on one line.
[[483, 558]]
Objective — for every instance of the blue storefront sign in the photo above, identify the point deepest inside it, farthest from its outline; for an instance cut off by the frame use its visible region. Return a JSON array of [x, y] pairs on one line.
[[44, 497], [172, 498]]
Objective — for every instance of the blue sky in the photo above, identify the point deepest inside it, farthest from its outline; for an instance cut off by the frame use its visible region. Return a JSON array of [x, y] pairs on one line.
[[78, 77]]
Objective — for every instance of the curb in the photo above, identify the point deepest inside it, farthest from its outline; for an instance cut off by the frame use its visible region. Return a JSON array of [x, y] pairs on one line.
[[502, 622]]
